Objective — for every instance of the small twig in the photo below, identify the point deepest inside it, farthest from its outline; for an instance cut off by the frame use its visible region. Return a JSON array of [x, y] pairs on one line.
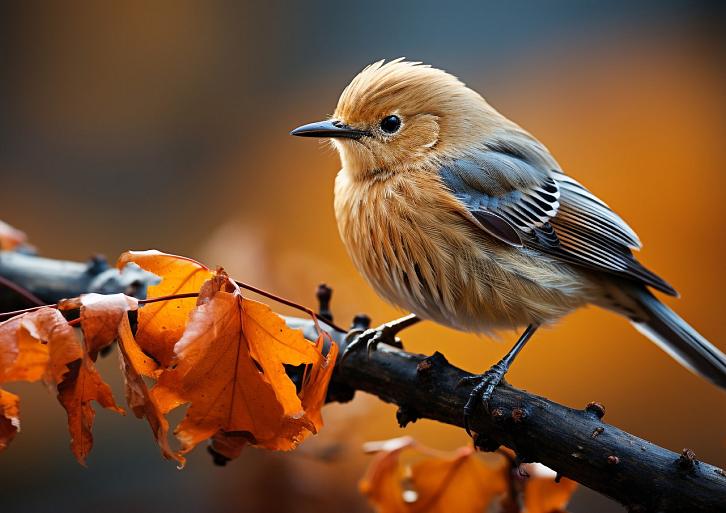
[[289, 303], [13, 313], [170, 297]]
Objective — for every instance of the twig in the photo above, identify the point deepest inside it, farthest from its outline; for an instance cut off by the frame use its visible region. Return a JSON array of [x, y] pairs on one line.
[[289, 303]]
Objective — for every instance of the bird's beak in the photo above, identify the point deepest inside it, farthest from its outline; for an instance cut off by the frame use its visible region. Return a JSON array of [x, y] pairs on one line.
[[330, 128]]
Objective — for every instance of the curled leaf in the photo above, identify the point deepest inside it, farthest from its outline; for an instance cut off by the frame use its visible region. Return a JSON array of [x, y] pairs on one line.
[[71, 370], [542, 494], [81, 385], [101, 315], [230, 368], [9, 417], [315, 387], [134, 365], [461, 482], [161, 324], [433, 484], [22, 358]]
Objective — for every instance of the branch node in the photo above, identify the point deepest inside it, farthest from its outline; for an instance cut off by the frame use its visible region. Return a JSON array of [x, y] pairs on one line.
[[498, 413], [613, 460], [519, 414], [431, 363], [97, 264], [596, 409], [361, 322], [406, 415], [687, 460], [324, 294]]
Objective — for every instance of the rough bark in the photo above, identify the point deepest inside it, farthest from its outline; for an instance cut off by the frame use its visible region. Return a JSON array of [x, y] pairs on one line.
[[575, 443]]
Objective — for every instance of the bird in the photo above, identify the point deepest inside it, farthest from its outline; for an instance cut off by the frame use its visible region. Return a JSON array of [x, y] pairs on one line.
[[455, 213]]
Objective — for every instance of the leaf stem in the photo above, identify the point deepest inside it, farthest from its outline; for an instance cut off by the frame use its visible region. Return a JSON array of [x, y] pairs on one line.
[[168, 298], [25, 310], [289, 303]]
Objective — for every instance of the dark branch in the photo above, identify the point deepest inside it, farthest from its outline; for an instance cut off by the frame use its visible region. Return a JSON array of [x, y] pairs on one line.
[[575, 443]]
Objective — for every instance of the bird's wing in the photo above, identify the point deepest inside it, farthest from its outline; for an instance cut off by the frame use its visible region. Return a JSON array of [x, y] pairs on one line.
[[511, 212], [518, 194]]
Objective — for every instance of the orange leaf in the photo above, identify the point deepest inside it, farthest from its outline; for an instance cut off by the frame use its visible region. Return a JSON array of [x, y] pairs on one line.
[[48, 326], [543, 495], [463, 484], [272, 344], [9, 417], [232, 396], [434, 484], [134, 364], [382, 483], [316, 387], [101, 315], [81, 385], [22, 358], [10, 237], [160, 325], [72, 371]]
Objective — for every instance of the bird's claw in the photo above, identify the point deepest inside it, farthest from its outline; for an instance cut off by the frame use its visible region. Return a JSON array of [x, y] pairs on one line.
[[370, 339], [484, 385]]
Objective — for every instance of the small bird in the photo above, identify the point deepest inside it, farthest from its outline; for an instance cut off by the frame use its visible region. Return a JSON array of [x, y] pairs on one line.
[[455, 213]]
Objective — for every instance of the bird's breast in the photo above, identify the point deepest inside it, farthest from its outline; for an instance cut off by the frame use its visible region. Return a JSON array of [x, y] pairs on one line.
[[410, 239]]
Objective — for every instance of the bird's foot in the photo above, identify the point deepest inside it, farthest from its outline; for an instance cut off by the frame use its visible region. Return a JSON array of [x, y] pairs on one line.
[[484, 385], [370, 338]]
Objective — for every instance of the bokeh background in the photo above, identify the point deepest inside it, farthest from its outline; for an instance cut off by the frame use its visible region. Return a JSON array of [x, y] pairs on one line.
[[165, 125]]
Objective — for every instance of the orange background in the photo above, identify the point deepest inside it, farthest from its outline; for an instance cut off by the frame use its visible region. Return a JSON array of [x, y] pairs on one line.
[[130, 126]]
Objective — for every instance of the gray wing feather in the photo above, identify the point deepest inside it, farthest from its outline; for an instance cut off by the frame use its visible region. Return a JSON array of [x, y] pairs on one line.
[[545, 209]]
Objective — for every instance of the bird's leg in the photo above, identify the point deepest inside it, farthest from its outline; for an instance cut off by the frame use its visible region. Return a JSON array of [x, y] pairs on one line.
[[385, 333], [485, 383]]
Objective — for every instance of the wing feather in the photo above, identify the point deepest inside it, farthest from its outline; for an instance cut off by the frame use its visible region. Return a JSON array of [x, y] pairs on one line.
[[544, 209]]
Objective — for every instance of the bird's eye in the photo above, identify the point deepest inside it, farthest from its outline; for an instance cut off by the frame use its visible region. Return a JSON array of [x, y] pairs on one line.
[[391, 124]]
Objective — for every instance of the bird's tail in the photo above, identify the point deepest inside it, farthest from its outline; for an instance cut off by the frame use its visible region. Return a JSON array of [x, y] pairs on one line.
[[672, 334]]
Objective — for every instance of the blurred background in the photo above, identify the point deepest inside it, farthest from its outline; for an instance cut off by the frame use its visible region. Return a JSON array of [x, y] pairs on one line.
[[135, 125]]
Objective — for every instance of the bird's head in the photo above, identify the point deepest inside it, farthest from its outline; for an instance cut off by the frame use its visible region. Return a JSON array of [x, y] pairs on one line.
[[400, 115]]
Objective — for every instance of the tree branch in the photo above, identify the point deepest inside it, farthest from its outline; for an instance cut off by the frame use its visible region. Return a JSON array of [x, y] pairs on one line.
[[575, 443]]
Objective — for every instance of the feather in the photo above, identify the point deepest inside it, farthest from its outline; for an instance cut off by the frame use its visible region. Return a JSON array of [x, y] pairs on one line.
[[518, 183]]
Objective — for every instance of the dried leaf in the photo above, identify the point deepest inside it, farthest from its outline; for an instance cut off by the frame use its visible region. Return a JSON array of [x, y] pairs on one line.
[[435, 484], [101, 315], [81, 385], [216, 374], [160, 325], [544, 495], [272, 344], [10, 237], [22, 358], [463, 484], [134, 364], [48, 326], [9, 417], [72, 371], [230, 367], [383, 482], [315, 387]]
